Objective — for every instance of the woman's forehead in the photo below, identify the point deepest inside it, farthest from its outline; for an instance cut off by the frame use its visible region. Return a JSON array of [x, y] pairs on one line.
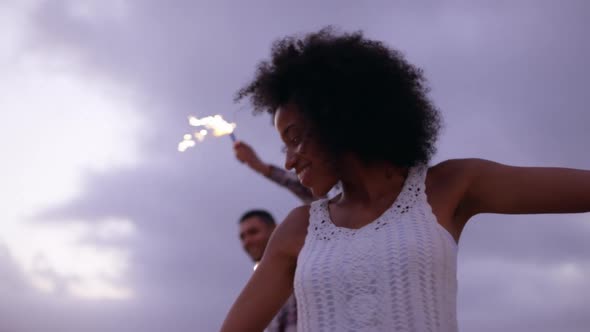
[[286, 116]]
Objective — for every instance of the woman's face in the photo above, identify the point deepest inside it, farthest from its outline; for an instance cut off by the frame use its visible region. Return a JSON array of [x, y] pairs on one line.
[[304, 154]]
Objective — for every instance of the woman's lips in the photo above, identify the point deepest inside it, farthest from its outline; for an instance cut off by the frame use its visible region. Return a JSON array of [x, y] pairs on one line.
[[302, 173]]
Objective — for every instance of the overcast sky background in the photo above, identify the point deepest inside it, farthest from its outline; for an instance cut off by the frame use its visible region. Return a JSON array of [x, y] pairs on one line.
[[105, 226]]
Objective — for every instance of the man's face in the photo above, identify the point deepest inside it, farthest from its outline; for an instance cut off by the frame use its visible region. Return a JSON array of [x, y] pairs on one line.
[[254, 234]]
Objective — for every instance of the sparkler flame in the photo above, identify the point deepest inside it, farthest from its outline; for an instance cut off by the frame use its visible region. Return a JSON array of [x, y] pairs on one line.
[[200, 135], [216, 123], [186, 143]]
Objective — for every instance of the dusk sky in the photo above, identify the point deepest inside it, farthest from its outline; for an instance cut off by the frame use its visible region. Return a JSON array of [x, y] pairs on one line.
[[106, 227]]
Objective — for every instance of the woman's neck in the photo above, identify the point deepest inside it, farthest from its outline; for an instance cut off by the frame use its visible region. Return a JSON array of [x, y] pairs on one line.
[[366, 184]]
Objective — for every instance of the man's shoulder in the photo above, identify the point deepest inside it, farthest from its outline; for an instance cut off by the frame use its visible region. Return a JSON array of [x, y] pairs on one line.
[[291, 301], [289, 310]]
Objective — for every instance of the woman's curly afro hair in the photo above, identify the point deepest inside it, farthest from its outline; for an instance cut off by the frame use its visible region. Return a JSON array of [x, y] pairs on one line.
[[359, 95]]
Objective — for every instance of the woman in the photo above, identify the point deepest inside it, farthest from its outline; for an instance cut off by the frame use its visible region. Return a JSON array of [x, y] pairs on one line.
[[381, 256]]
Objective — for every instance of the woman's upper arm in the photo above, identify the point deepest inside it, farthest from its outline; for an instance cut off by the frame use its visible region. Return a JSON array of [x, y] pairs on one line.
[[272, 281], [496, 188]]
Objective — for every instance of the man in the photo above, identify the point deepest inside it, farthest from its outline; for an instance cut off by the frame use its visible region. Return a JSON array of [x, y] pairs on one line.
[[256, 226]]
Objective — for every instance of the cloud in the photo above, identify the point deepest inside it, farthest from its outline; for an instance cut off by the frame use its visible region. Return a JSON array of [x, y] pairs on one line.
[[517, 297], [60, 123]]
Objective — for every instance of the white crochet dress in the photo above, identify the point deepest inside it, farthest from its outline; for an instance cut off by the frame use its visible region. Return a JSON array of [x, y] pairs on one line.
[[397, 273]]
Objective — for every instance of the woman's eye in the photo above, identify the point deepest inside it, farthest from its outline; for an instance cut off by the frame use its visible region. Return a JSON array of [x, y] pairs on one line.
[[292, 143]]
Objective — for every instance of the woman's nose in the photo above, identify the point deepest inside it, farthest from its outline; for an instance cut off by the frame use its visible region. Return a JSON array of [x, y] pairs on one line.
[[290, 160]]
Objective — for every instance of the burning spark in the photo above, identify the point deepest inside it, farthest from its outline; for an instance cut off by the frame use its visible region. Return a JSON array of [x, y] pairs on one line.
[[216, 123], [186, 143], [200, 135]]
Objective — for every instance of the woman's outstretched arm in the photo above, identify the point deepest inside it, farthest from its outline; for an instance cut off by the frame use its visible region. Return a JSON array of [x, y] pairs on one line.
[[491, 187]]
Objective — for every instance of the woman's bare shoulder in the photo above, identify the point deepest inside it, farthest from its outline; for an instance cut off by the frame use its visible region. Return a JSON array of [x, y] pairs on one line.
[[290, 234], [453, 173]]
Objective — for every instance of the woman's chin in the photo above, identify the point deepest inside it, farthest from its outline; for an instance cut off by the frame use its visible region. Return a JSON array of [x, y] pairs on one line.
[[318, 188], [319, 191], [307, 181]]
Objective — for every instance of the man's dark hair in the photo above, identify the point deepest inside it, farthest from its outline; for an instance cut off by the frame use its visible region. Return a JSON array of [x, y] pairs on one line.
[[358, 94], [264, 215]]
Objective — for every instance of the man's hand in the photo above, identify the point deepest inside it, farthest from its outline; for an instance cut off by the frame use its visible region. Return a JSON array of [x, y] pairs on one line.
[[247, 155]]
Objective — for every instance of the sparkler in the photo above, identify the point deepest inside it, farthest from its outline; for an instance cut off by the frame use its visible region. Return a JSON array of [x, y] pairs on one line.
[[216, 123]]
